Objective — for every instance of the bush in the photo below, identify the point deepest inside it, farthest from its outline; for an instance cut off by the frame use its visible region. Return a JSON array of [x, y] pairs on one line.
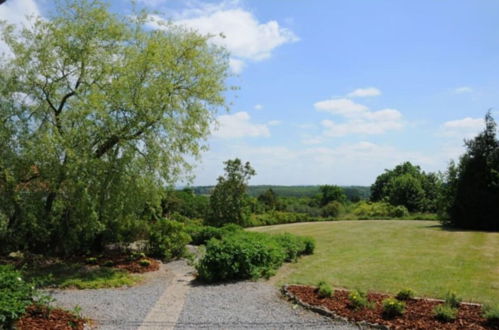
[[167, 239], [278, 217], [366, 210], [445, 313], [393, 307], [295, 246], [240, 256], [202, 234], [15, 295], [491, 313], [405, 294], [91, 260], [324, 290], [332, 209], [358, 299], [452, 300], [144, 263]]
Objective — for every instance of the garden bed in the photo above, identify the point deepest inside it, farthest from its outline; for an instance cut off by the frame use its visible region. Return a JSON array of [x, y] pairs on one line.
[[43, 318], [418, 312]]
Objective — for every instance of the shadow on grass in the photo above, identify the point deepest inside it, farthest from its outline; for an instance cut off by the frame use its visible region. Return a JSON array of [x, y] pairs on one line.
[[443, 227], [78, 276]]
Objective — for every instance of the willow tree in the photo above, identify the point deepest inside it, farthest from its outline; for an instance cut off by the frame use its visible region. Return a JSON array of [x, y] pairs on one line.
[[97, 113]]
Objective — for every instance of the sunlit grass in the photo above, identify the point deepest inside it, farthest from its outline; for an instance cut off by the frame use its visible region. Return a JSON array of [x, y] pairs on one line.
[[391, 255]]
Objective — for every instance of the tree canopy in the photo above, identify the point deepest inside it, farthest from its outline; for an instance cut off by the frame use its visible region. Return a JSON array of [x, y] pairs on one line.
[[97, 114]]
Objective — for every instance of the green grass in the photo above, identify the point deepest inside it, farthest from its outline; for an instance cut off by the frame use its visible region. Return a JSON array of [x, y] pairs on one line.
[[78, 276], [388, 256]]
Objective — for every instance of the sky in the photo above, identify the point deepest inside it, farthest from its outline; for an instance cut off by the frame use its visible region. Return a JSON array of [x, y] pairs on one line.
[[337, 91]]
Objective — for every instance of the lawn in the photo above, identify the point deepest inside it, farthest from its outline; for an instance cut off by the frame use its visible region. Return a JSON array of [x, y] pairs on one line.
[[389, 255]]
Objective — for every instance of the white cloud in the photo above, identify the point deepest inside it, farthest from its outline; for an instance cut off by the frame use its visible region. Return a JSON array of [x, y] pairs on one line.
[[153, 3], [237, 66], [274, 123], [462, 128], [258, 107], [342, 107], [16, 12], [364, 92], [239, 125], [233, 27], [358, 118], [463, 90]]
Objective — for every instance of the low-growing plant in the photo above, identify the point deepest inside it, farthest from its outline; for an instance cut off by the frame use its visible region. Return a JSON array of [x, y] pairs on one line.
[[445, 313], [324, 290], [405, 294], [393, 307], [91, 260], [452, 300], [108, 263], [144, 263], [167, 239], [15, 295], [491, 313], [202, 234], [358, 299], [295, 246]]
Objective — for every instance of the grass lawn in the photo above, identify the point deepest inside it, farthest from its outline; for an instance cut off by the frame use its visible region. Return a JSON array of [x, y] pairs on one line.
[[386, 256]]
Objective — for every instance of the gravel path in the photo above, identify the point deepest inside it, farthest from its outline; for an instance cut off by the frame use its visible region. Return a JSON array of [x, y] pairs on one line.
[[168, 300]]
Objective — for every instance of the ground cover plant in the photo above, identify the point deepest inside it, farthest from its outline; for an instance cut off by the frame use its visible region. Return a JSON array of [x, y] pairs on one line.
[[383, 309], [386, 256], [245, 255]]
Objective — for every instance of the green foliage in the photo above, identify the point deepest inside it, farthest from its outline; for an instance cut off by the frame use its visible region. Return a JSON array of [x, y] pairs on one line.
[[277, 217], [452, 299], [405, 294], [471, 192], [91, 260], [324, 290], [109, 112], [445, 313], [392, 307], [331, 209], [202, 234], [358, 300], [228, 202], [185, 203], [269, 199], [408, 186], [330, 193], [491, 313], [365, 209], [144, 263], [167, 239], [249, 255], [15, 295]]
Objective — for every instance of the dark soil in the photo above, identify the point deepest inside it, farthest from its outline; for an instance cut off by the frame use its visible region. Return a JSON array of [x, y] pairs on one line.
[[42, 318], [123, 261], [418, 312]]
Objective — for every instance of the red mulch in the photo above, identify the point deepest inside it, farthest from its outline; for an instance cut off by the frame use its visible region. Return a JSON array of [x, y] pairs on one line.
[[418, 313], [41, 318], [133, 266]]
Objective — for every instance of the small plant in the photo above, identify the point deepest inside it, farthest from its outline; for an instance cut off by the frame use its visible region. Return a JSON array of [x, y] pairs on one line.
[[144, 263], [358, 299], [324, 290], [445, 313], [393, 307], [108, 263], [405, 294], [452, 300], [491, 313], [91, 260], [15, 295], [77, 311]]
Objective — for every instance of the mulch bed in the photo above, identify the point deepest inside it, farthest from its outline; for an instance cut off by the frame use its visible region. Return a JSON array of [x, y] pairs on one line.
[[42, 318], [122, 261], [418, 313]]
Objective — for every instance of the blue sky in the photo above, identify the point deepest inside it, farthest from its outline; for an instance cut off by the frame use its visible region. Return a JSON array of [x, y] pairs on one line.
[[334, 92]]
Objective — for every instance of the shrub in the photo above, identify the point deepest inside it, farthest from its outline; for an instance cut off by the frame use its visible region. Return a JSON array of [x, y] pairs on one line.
[[91, 260], [15, 295], [358, 299], [324, 290], [240, 256], [332, 209], [108, 263], [445, 313], [405, 294], [278, 217], [202, 234], [491, 313], [144, 263], [167, 239], [452, 300], [393, 307], [295, 246]]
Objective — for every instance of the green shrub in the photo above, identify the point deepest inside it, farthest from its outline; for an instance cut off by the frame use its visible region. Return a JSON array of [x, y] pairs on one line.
[[332, 209], [144, 263], [294, 246], [278, 217], [452, 300], [366, 210], [108, 263], [392, 307], [202, 234], [167, 239], [91, 260], [358, 299], [309, 245], [491, 313], [324, 290], [240, 256], [405, 294], [15, 295], [445, 313]]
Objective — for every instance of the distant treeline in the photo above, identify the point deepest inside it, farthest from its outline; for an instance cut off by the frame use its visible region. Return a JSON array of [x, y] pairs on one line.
[[352, 192]]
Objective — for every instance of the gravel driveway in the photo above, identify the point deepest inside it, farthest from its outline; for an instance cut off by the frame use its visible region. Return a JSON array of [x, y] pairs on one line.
[[169, 299]]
